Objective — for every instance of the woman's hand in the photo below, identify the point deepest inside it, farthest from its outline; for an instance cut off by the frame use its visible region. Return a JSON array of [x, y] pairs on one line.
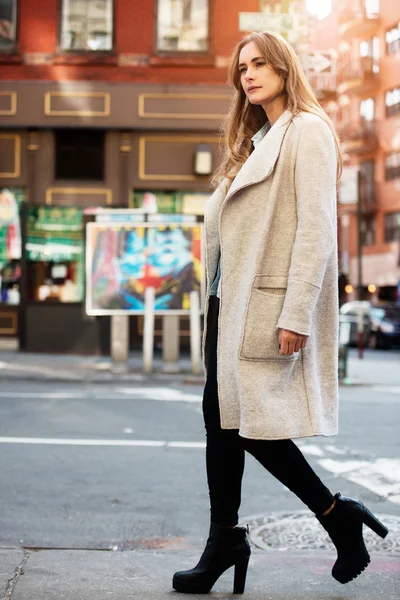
[[290, 342]]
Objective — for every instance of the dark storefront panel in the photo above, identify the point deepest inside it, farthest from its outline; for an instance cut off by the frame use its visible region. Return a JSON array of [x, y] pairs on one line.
[[64, 328]]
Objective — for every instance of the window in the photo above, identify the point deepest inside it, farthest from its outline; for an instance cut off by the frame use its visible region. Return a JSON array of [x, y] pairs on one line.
[[87, 25], [392, 227], [392, 166], [367, 109], [369, 55], [367, 169], [182, 25], [392, 102], [54, 254], [8, 24], [371, 9], [368, 230], [79, 154], [393, 39]]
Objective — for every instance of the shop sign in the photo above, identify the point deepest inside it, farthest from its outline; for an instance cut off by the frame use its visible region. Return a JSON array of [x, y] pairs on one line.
[[122, 260], [54, 234], [10, 232], [55, 218], [266, 21]]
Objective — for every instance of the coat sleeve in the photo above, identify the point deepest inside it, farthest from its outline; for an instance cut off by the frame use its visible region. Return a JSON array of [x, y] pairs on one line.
[[315, 188]]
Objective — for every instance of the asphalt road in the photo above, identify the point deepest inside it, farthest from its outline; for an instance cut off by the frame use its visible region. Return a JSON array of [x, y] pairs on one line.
[[84, 490]]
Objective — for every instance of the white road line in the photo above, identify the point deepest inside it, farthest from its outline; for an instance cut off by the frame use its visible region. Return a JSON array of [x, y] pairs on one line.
[[44, 395], [83, 442], [381, 476], [143, 393], [162, 394], [312, 449], [391, 389]]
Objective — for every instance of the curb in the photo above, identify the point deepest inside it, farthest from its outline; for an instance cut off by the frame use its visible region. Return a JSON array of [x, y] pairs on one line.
[[117, 377]]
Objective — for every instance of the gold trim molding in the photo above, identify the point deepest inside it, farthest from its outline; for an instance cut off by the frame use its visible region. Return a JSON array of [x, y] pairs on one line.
[[17, 155], [167, 139], [14, 320], [49, 112], [153, 115], [83, 191], [13, 104]]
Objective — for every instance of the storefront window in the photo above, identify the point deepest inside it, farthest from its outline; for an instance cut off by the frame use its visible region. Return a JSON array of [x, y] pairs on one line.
[[87, 25], [10, 245], [54, 252], [182, 25], [8, 24], [189, 203]]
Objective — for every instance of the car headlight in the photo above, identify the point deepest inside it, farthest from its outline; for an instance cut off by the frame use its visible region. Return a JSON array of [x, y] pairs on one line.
[[387, 327]]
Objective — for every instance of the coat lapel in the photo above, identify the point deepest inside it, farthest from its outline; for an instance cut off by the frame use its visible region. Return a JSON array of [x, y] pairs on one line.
[[261, 162]]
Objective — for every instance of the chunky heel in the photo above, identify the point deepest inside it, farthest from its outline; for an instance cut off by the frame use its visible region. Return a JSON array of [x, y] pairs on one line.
[[226, 547], [240, 575], [373, 523]]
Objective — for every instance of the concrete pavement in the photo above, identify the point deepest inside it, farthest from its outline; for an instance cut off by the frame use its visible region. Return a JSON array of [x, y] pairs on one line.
[[377, 367], [147, 574]]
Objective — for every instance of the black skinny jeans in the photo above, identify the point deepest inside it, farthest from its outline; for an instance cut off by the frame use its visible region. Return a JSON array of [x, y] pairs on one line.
[[226, 449]]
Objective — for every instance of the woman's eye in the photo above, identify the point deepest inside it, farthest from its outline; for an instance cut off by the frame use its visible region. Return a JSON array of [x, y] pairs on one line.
[[259, 64]]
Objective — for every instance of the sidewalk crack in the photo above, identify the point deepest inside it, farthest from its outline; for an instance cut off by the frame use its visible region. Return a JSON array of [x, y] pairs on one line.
[[12, 581]]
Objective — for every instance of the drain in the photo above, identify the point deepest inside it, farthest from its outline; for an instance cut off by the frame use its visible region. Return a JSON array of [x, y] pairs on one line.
[[301, 531]]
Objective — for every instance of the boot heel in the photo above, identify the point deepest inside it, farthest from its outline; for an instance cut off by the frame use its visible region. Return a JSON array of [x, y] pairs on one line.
[[240, 575], [373, 523]]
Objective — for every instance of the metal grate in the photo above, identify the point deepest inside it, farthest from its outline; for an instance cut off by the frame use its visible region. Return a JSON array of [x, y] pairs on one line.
[[301, 531]]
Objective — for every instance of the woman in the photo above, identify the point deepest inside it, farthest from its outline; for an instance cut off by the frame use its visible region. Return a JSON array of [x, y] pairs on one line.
[[272, 308]]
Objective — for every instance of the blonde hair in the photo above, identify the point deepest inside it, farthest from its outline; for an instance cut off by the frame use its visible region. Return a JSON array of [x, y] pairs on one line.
[[245, 119]]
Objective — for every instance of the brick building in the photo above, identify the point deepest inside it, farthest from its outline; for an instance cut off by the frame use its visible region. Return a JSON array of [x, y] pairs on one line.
[[366, 108], [101, 101]]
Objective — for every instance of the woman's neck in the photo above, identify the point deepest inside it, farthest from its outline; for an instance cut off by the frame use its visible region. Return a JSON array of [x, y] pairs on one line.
[[275, 109]]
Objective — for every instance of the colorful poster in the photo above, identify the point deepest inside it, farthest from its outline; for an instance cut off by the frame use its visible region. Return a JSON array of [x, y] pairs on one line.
[[10, 231], [123, 260]]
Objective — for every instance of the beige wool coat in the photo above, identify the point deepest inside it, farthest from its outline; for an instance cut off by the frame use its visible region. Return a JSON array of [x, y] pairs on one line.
[[277, 231]]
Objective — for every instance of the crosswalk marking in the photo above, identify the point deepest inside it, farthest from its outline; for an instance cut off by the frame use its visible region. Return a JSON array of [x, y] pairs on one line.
[[381, 476], [162, 394]]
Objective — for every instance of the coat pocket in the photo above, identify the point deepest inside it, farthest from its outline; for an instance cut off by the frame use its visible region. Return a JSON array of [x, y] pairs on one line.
[[260, 339]]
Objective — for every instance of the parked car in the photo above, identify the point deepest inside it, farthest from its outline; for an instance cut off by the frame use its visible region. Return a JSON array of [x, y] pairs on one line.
[[381, 323], [349, 312], [385, 326]]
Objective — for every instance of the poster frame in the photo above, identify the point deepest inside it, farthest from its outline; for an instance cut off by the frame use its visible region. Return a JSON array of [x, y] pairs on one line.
[[93, 225]]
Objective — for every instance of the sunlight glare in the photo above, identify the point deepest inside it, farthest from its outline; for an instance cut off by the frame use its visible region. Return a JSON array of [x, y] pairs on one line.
[[321, 8]]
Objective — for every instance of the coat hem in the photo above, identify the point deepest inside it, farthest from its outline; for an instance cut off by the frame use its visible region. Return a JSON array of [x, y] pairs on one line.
[[285, 437]]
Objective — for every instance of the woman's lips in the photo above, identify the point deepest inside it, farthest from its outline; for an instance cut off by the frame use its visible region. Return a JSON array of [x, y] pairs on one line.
[[252, 89]]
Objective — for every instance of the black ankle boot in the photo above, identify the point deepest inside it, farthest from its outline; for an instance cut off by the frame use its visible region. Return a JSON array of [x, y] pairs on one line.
[[344, 523], [226, 546]]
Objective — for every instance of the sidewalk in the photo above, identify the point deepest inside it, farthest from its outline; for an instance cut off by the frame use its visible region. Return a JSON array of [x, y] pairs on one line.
[[147, 575], [91, 369], [376, 368]]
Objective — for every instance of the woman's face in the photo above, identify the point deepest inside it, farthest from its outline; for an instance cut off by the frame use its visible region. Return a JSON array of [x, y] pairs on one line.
[[259, 81]]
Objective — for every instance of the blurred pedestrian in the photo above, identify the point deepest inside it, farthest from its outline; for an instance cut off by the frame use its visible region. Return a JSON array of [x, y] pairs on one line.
[[271, 337]]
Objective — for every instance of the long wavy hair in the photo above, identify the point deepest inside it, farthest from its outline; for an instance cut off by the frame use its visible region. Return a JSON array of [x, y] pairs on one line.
[[245, 119]]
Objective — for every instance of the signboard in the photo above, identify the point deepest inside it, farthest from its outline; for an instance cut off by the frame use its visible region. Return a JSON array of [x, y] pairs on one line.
[[54, 234], [349, 186], [122, 260], [317, 62], [265, 21], [10, 232]]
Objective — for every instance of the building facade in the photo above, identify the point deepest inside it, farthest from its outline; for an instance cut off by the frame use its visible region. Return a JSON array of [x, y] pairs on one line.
[[104, 103], [367, 116]]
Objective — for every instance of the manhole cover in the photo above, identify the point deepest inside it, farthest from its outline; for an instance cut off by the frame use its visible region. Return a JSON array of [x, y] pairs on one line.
[[301, 531]]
